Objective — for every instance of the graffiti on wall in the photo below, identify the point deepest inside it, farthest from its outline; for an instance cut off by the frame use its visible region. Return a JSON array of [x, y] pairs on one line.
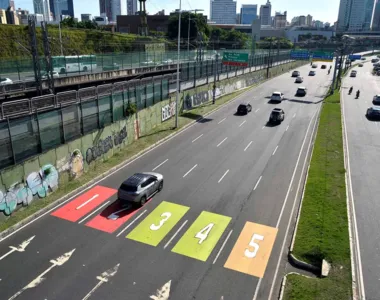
[[72, 163], [168, 111], [192, 101], [37, 185], [103, 146]]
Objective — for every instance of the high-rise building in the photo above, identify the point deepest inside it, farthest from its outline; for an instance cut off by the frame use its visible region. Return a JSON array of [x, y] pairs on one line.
[[223, 11], [12, 4], [368, 13], [12, 17], [4, 4], [248, 13], [279, 20], [302, 21], [355, 15], [3, 16], [318, 24], [61, 8], [309, 20], [86, 17], [42, 7], [265, 14], [113, 8], [131, 7], [375, 26]]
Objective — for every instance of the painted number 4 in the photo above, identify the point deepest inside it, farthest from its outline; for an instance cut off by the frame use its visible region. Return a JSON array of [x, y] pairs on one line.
[[254, 245], [203, 234], [166, 216]]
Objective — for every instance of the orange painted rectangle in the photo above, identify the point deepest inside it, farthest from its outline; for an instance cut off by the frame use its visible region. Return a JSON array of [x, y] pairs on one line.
[[252, 250]]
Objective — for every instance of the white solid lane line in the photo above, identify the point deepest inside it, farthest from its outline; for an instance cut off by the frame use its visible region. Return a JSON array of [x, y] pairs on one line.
[[257, 110], [99, 208], [294, 116], [88, 201], [287, 128], [221, 142], [160, 165], [221, 121], [263, 127], [257, 183], [130, 224], [221, 248], [245, 149], [197, 138], [242, 123], [223, 176], [274, 151], [174, 235], [189, 171]]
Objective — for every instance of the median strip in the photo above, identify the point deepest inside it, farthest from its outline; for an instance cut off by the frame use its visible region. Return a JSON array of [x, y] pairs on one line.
[[322, 232]]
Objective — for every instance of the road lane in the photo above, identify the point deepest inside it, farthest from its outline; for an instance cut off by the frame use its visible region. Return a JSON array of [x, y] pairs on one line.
[[143, 268]]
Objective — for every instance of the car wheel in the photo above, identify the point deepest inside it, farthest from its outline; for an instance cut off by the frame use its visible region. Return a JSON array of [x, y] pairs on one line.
[[160, 186], [142, 201]]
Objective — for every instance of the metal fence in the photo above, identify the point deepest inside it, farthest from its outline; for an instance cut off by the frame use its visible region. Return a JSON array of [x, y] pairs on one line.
[[32, 126]]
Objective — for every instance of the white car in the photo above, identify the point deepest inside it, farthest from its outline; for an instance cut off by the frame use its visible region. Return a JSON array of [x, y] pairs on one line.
[[167, 62], [147, 63], [55, 75], [277, 97], [5, 81], [299, 79]]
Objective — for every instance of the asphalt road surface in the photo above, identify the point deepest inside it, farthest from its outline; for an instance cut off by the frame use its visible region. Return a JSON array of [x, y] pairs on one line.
[[215, 231], [364, 146]]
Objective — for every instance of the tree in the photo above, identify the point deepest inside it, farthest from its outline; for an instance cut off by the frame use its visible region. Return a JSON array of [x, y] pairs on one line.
[[198, 24]]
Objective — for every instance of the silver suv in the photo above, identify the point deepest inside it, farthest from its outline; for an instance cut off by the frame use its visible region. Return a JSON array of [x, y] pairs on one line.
[[140, 187]]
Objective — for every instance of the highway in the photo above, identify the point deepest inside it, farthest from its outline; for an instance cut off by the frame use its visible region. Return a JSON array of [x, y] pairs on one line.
[[363, 152], [215, 231]]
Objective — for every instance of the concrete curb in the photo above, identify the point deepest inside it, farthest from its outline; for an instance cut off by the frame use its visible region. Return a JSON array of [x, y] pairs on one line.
[[283, 283], [20, 224], [303, 265]]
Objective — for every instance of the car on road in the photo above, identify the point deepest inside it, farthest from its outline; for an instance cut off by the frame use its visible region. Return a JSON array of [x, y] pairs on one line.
[[353, 73], [299, 79], [276, 116], [148, 63], [314, 66], [5, 81], [140, 187], [277, 97], [374, 60], [376, 100], [296, 73], [244, 108], [324, 67], [45, 75], [312, 73], [363, 58], [167, 62], [373, 112], [301, 91], [360, 65]]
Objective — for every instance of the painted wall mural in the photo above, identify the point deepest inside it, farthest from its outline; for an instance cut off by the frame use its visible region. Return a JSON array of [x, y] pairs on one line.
[[103, 146], [72, 163], [168, 111], [37, 185]]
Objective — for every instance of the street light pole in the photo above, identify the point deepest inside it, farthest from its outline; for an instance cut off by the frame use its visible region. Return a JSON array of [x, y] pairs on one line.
[[188, 39], [178, 57]]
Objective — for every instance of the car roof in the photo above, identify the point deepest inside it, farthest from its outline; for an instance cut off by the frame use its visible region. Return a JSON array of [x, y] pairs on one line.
[[302, 88], [276, 92], [277, 109], [136, 179]]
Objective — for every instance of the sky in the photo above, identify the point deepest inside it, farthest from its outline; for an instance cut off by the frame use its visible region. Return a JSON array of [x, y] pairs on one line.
[[325, 11]]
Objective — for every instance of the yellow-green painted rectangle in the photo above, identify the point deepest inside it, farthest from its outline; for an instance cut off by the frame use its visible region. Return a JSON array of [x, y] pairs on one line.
[[202, 236], [158, 223]]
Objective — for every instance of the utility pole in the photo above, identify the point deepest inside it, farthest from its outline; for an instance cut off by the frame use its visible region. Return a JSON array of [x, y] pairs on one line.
[[215, 73], [334, 75], [269, 57], [36, 59], [178, 57], [48, 59]]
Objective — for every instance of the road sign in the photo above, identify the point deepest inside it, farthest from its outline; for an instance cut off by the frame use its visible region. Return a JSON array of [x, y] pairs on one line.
[[354, 57], [299, 54], [235, 59], [323, 56]]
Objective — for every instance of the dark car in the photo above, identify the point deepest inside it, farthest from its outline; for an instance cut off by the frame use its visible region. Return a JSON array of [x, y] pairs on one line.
[[376, 100], [276, 116], [301, 91], [323, 67], [140, 187], [296, 73], [244, 108], [312, 73], [373, 113]]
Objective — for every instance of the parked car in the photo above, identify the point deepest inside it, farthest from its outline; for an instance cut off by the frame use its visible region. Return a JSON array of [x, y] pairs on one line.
[[376, 100], [244, 108], [140, 187], [373, 113], [323, 67], [5, 81], [276, 116], [296, 73], [312, 73], [314, 66], [277, 97], [299, 79], [301, 91]]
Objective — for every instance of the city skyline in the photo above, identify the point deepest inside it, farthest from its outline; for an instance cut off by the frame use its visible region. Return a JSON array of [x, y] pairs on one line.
[[295, 8]]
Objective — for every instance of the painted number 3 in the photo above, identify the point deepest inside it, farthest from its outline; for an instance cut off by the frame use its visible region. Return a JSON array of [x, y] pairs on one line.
[[166, 216], [254, 245], [203, 234]]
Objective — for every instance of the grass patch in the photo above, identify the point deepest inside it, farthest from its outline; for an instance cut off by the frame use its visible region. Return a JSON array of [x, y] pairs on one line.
[[159, 132], [323, 226]]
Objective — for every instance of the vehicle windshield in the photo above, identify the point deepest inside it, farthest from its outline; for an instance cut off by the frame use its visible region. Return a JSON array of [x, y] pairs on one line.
[[128, 188]]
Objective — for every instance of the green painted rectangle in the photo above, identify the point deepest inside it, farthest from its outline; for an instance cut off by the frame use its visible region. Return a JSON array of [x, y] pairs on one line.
[[158, 223], [202, 236], [235, 57]]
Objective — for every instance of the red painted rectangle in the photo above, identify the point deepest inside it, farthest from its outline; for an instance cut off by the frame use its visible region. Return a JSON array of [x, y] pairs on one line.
[[82, 205], [102, 222]]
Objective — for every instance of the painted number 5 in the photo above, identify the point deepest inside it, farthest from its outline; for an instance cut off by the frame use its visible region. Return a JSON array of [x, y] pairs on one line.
[[254, 245], [203, 234], [166, 216]]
